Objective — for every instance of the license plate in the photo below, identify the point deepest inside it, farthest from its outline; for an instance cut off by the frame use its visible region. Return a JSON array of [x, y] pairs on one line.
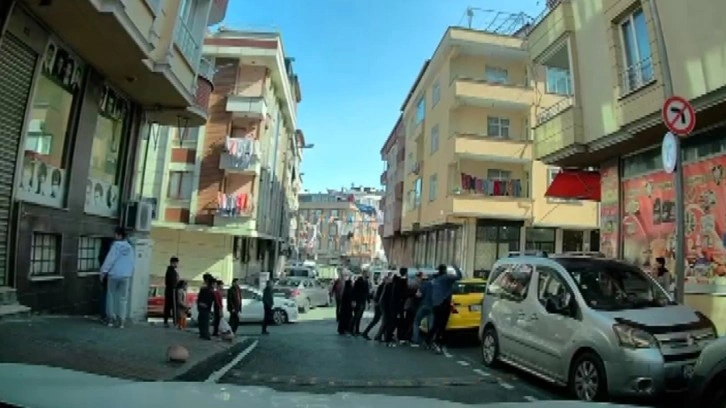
[[688, 371], [475, 308]]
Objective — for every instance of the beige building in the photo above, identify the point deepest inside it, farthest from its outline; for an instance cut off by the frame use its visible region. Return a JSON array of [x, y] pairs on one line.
[[613, 80], [472, 189]]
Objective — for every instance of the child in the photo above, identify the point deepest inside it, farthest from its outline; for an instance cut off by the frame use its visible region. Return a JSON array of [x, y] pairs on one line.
[[182, 307]]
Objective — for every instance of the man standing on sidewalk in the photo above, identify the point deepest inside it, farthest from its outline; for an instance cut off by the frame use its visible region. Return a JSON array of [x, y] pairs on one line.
[[234, 304], [267, 301], [171, 279], [118, 267], [361, 295]]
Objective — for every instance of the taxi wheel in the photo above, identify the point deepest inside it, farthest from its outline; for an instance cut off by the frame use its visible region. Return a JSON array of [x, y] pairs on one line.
[[489, 347], [588, 381]]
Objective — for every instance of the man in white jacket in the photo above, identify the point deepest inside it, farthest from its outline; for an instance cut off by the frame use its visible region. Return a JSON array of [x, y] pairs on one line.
[[119, 266]]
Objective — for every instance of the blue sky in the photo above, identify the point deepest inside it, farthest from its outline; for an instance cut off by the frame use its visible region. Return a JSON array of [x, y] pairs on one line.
[[356, 60]]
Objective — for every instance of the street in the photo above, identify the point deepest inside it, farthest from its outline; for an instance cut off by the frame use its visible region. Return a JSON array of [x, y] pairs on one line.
[[311, 357]]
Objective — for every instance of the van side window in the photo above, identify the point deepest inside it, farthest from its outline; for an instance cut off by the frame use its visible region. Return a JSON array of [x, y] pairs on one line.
[[553, 288], [493, 287], [510, 282]]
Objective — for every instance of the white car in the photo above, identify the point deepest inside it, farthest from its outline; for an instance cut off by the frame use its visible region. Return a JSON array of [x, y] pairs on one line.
[[283, 310]]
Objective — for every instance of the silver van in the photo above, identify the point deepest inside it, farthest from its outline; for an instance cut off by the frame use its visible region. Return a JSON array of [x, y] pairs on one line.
[[599, 326]]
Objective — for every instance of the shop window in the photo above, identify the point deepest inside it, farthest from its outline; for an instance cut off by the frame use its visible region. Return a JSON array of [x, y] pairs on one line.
[[572, 241], [540, 239], [102, 188], [493, 242], [89, 250], [44, 177], [44, 254], [458, 236]]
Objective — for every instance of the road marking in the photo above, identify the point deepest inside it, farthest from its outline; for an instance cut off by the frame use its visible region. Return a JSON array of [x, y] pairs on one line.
[[530, 398], [463, 363], [506, 385], [217, 375], [446, 353], [481, 372]]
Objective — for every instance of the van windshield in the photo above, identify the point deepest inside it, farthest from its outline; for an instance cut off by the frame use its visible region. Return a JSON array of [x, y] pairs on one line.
[[614, 285]]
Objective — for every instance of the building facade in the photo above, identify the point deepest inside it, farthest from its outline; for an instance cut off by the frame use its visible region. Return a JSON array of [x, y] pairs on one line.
[[615, 78], [393, 155], [81, 82], [472, 189], [226, 191]]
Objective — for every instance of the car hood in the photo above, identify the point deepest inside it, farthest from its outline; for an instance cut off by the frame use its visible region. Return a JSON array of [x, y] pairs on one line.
[[47, 387], [675, 315]]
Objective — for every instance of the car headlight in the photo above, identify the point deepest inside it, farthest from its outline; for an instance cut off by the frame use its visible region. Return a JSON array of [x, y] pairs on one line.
[[630, 337]]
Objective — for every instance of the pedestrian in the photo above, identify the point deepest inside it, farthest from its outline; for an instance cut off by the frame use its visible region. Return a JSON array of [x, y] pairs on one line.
[[423, 311], [182, 307], [410, 307], [346, 308], [442, 290], [234, 304], [171, 279], [205, 302], [217, 286], [361, 295], [398, 298], [337, 293], [662, 274], [267, 301], [377, 310], [118, 267]]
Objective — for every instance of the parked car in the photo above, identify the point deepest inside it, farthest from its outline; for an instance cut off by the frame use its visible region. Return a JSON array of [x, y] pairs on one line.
[[707, 384], [155, 304], [465, 306], [307, 293], [599, 326], [283, 310]]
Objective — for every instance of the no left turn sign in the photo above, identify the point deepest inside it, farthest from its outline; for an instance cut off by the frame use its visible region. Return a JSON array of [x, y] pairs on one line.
[[679, 116]]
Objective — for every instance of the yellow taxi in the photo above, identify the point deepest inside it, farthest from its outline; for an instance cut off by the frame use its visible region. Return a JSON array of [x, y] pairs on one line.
[[466, 304]]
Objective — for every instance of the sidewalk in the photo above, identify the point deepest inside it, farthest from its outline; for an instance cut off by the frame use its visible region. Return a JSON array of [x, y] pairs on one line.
[[137, 352]]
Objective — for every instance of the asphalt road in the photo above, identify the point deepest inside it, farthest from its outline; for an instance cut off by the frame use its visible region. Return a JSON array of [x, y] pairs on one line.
[[311, 357]]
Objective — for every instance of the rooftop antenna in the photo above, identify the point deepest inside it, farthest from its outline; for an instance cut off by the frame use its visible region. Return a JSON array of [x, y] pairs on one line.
[[469, 16]]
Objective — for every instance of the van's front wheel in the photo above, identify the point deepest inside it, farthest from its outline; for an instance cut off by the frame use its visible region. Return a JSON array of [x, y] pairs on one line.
[[588, 381], [489, 347]]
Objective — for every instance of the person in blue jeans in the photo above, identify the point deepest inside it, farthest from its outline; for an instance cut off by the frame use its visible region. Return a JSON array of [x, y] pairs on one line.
[[425, 311], [442, 288]]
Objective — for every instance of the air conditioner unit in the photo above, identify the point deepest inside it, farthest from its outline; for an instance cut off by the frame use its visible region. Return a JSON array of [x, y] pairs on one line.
[[138, 216]]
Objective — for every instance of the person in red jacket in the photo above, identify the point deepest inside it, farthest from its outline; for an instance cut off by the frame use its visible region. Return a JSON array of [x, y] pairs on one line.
[[217, 309]]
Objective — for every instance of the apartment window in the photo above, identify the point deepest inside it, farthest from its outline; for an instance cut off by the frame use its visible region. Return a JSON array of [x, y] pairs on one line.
[[496, 174], [496, 75], [89, 249], [417, 193], [433, 187], [420, 109], [498, 127], [435, 93], [180, 185], [434, 139], [186, 137], [44, 254], [558, 81], [636, 52]]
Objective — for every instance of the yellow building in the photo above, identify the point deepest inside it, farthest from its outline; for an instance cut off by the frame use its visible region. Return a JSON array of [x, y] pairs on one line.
[[614, 77], [473, 191]]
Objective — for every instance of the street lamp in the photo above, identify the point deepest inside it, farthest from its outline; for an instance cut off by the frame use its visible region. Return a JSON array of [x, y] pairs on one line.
[[308, 146]]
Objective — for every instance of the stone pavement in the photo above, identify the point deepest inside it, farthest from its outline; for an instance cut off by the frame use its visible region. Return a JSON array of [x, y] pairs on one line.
[[137, 352]]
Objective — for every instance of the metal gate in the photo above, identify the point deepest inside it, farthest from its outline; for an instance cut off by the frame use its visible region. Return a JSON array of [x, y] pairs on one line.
[[17, 65]]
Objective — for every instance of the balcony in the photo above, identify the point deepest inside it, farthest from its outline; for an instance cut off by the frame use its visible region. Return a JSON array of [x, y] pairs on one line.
[[559, 132], [480, 206], [552, 25], [483, 147], [479, 92], [217, 12], [383, 177], [234, 164], [189, 46], [247, 107]]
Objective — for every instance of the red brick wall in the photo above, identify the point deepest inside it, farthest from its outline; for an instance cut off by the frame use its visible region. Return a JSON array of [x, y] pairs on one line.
[[176, 215], [182, 155]]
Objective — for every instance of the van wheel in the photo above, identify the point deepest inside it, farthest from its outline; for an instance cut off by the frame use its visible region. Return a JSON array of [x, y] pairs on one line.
[[588, 381], [489, 347]]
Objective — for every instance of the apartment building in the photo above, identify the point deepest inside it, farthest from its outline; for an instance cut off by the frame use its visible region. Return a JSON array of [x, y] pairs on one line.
[[80, 81], [340, 227], [226, 191], [616, 62], [393, 155], [473, 191]]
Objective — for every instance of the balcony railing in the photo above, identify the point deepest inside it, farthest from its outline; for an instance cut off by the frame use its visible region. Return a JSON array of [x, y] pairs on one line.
[[188, 45], [207, 69], [552, 111], [636, 76], [473, 186]]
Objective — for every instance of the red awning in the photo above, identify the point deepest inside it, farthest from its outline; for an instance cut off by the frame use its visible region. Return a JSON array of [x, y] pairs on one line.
[[575, 184]]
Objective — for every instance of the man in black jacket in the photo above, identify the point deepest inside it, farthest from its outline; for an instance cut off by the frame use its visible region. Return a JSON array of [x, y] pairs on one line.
[[395, 307], [170, 281], [361, 294], [378, 309]]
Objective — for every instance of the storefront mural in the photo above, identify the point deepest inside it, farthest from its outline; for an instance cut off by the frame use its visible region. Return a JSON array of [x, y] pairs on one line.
[[609, 209], [101, 198], [649, 221], [40, 182]]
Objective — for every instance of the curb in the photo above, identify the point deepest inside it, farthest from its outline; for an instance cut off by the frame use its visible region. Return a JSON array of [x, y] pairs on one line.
[[203, 369]]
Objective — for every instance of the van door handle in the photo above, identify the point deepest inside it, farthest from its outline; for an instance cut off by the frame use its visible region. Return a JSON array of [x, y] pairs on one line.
[[521, 314], [534, 317]]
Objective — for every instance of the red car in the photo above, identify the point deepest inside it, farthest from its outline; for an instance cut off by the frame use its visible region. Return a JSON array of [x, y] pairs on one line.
[[155, 304]]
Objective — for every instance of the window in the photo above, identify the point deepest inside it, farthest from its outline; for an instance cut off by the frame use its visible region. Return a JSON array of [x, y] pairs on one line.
[[498, 127], [434, 139], [180, 185], [89, 249], [551, 288], [417, 193], [44, 254], [638, 66], [420, 110], [510, 281], [496, 75], [540, 239], [495, 174], [558, 81], [433, 187], [435, 93]]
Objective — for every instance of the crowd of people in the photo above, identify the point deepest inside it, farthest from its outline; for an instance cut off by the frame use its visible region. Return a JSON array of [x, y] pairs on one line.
[[400, 305]]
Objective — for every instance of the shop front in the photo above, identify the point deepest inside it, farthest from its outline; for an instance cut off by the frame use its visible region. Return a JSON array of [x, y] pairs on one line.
[[72, 138], [442, 245], [494, 239]]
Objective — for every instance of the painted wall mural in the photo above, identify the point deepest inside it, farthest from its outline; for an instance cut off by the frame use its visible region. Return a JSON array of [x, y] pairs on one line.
[[609, 209], [648, 221]]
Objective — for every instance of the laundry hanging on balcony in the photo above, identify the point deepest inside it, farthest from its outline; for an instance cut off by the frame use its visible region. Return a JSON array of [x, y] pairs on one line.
[[244, 149], [231, 205], [488, 187]]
